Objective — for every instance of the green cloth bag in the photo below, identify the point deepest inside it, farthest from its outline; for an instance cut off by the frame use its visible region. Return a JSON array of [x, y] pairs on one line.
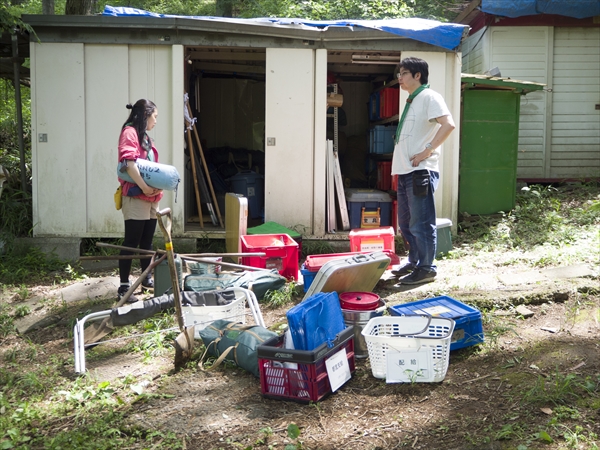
[[235, 342]]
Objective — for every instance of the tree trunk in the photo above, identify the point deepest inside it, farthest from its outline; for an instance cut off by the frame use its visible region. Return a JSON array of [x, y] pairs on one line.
[[48, 7], [78, 7]]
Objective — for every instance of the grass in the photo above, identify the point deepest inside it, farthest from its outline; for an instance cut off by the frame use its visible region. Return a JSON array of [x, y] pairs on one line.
[[42, 405]]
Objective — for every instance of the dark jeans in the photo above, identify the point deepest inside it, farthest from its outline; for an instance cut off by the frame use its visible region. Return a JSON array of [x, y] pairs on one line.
[[138, 234], [416, 219]]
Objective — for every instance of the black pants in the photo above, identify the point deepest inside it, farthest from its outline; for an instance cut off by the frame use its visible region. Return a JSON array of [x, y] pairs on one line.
[[138, 234]]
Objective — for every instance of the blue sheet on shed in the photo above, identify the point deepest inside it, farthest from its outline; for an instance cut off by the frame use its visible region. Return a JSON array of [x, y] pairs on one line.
[[579, 9], [445, 35]]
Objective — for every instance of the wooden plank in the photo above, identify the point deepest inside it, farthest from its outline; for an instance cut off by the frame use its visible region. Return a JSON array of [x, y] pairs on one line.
[[339, 189], [331, 219]]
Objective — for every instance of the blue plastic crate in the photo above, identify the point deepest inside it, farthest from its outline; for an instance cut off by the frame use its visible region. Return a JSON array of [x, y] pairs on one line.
[[468, 329], [308, 277], [374, 106], [381, 139]]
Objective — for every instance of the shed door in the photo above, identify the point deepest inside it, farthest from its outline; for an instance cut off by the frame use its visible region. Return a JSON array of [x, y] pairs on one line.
[[575, 97], [289, 137]]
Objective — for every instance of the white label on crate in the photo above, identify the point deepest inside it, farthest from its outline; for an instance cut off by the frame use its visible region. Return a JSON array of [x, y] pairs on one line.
[[408, 367], [338, 370], [434, 310], [372, 246]]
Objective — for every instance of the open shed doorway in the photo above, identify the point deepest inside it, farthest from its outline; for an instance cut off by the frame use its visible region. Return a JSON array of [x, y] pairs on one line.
[[359, 76], [226, 88]]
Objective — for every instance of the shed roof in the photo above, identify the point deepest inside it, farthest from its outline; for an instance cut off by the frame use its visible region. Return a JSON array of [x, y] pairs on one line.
[[475, 81], [445, 35]]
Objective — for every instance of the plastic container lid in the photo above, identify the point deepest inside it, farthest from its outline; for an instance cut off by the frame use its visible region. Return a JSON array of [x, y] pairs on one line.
[[359, 301]]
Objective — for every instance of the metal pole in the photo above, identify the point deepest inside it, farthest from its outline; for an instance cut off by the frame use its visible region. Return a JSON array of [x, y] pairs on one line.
[[17, 83]]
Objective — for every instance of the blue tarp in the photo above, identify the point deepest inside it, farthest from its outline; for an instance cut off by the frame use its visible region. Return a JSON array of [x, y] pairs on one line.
[[445, 35], [579, 9]]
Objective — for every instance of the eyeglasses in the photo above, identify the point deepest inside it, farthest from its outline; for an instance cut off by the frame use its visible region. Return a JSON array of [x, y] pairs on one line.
[[401, 74]]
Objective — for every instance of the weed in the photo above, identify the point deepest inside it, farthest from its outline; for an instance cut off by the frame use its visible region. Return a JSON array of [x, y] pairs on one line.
[[280, 297], [316, 248], [22, 311], [556, 388]]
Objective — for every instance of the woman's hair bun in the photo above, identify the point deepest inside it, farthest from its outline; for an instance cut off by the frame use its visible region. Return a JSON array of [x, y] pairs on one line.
[[129, 106]]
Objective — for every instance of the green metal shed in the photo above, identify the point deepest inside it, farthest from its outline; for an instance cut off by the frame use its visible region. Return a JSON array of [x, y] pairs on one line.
[[489, 142]]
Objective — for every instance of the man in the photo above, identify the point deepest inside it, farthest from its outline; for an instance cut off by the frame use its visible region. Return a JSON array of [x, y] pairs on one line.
[[424, 125]]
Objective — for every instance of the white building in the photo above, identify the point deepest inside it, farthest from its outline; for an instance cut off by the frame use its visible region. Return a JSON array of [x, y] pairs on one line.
[[557, 44]]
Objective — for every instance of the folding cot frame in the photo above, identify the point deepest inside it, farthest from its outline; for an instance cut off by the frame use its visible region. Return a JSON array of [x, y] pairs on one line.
[[79, 344]]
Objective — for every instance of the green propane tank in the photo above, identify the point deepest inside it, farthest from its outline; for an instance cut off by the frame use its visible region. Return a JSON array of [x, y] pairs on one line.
[[162, 276]]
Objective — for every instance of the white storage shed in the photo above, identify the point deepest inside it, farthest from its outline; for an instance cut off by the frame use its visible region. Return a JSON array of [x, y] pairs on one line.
[[258, 89]]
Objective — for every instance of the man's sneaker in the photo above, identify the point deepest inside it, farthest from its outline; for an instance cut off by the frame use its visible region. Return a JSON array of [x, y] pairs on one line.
[[148, 284], [419, 276], [405, 268], [122, 291]]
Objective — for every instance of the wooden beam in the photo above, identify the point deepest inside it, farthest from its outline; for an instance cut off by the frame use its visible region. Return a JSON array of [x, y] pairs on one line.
[[468, 10]]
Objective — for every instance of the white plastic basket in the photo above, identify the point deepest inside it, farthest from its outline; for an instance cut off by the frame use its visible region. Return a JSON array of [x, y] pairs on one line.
[[424, 340], [202, 316]]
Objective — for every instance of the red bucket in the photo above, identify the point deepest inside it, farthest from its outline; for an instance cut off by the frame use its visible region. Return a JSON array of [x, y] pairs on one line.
[[359, 301]]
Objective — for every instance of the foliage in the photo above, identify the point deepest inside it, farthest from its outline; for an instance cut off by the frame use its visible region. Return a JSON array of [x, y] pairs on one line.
[[543, 215], [308, 9], [30, 266], [281, 297]]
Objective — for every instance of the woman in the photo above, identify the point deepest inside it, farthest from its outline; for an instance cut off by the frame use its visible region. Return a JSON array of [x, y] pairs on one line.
[[140, 201]]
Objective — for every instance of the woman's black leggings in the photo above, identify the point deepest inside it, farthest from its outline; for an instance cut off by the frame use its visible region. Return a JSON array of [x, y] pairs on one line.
[[138, 234]]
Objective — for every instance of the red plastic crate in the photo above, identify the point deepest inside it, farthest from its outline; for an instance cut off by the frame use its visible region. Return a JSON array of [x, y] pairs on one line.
[[309, 380], [384, 175], [394, 185], [389, 102], [280, 249], [313, 263]]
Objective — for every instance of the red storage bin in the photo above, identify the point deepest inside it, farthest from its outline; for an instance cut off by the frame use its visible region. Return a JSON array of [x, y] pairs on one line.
[[300, 375], [389, 102], [372, 239], [384, 175], [280, 249], [394, 185]]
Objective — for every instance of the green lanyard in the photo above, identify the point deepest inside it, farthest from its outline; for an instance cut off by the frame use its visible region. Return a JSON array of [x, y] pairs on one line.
[[405, 111]]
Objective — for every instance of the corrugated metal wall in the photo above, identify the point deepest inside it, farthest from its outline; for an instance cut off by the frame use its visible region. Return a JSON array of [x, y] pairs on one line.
[[559, 130], [576, 91]]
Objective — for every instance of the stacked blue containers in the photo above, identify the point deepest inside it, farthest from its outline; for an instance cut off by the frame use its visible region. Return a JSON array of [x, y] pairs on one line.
[[381, 139]]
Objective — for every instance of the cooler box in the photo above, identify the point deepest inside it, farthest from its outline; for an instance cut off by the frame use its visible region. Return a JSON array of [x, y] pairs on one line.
[[468, 329], [275, 228], [372, 240], [444, 236], [313, 263], [384, 175], [280, 249], [371, 200], [250, 185]]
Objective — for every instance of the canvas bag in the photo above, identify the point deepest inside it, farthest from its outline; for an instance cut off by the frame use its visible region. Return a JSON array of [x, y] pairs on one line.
[[235, 342], [119, 198]]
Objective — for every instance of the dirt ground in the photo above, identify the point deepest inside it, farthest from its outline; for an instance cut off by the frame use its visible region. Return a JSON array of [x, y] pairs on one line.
[[479, 405]]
